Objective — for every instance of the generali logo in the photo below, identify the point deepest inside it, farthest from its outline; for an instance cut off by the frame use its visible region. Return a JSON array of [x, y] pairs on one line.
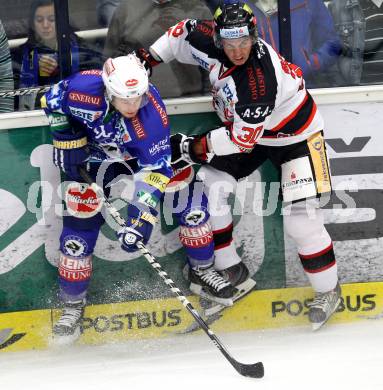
[[85, 98], [7, 339]]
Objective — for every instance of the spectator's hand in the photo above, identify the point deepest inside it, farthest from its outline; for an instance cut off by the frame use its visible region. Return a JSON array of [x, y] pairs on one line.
[[48, 65], [139, 226]]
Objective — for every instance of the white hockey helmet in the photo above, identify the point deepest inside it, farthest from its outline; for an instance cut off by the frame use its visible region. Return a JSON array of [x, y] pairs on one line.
[[125, 77]]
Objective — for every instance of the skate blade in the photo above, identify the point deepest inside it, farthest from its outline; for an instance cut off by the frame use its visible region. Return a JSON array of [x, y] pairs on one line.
[[63, 341], [198, 290], [243, 289], [317, 325]]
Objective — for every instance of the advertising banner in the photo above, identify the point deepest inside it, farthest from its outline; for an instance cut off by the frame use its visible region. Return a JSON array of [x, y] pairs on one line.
[[30, 224], [144, 319], [31, 209]]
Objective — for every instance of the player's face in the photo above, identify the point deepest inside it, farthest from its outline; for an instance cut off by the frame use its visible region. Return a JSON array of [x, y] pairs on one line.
[[44, 23], [237, 49], [127, 107]]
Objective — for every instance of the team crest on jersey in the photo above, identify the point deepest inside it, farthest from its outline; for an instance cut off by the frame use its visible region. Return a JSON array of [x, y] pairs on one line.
[[82, 200], [74, 246], [195, 216]]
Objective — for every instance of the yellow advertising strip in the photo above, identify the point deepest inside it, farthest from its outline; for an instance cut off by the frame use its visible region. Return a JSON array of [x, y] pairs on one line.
[[289, 307], [25, 330], [134, 320], [118, 322]]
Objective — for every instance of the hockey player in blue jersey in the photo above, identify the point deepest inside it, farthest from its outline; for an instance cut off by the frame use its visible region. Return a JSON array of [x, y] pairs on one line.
[[114, 122]]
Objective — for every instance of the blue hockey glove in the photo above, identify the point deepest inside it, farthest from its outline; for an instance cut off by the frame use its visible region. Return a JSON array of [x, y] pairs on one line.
[[139, 226], [69, 152]]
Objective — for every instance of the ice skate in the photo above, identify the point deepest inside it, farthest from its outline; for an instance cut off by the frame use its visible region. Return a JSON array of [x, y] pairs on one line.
[[239, 277], [209, 284], [67, 328], [323, 306]]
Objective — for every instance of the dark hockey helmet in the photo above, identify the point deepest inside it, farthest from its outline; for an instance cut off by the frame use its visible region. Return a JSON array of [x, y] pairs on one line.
[[234, 19]]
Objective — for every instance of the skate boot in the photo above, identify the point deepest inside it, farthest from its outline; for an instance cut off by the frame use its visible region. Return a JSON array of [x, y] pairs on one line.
[[323, 306], [208, 283], [239, 277], [67, 328]]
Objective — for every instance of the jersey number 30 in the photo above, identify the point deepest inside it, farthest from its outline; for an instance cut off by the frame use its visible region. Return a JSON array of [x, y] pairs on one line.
[[250, 136]]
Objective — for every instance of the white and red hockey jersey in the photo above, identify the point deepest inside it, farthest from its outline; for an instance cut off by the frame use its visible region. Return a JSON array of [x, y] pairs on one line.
[[263, 101]]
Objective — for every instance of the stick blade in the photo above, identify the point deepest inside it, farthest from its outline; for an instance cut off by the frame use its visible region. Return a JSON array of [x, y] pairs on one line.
[[255, 370]]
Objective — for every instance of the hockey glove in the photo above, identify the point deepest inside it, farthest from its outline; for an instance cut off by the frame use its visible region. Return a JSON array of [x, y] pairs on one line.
[[139, 226], [69, 153], [188, 150], [147, 59]]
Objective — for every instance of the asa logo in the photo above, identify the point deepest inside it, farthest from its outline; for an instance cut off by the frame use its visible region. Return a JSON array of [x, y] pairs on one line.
[[6, 340]]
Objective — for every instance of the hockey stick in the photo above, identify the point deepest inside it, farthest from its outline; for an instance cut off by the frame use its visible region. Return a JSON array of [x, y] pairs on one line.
[[255, 370], [4, 93]]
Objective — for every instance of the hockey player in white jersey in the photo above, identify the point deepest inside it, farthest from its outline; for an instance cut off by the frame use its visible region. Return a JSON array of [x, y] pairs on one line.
[[267, 113]]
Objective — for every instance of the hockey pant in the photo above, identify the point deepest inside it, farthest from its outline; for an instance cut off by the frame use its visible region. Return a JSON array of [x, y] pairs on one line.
[[81, 226], [303, 221]]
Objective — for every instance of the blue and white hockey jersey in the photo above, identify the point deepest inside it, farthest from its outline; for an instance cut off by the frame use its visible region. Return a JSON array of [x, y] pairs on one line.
[[78, 103]]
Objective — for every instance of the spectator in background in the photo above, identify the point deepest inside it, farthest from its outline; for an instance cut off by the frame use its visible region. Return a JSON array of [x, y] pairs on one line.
[[137, 24], [360, 25], [105, 10], [6, 74], [315, 43], [36, 61]]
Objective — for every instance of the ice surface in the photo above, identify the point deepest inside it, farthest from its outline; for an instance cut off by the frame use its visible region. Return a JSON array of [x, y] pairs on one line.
[[341, 357]]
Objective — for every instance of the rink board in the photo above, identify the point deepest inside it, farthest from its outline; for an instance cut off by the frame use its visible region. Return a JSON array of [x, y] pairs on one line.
[[30, 223], [115, 323]]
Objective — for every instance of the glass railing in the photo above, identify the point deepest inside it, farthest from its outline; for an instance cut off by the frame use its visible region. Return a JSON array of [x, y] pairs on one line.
[[335, 43]]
